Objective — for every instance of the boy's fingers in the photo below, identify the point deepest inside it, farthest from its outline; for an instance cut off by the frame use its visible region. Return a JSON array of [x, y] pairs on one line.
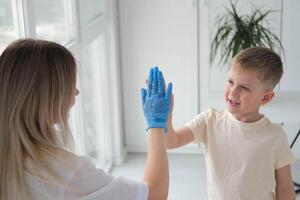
[[172, 103], [169, 91]]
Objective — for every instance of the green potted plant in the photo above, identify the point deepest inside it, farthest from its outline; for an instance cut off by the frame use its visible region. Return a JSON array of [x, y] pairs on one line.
[[235, 32]]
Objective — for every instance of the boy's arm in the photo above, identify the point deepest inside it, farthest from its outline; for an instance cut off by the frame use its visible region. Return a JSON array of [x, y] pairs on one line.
[[284, 184], [179, 137]]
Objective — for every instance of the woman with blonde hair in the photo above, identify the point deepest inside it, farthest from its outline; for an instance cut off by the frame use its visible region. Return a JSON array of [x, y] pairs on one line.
[[37, 90]]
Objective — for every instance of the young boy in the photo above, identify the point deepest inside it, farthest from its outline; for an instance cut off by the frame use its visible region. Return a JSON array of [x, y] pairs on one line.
[[247, 156]]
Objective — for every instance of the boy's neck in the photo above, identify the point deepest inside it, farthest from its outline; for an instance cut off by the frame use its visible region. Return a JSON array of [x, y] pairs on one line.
[[248, 118]]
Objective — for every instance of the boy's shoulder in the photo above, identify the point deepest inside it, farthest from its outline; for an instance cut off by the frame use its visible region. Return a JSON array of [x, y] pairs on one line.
[[212, 114], [274, 127], [265, 127], [217, 113], [211, 111]]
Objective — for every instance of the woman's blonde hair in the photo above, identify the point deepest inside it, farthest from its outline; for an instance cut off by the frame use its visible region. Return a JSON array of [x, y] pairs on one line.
[[37, 83]]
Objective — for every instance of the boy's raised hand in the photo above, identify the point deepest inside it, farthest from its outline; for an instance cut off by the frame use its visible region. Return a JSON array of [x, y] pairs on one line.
[[156, 101]]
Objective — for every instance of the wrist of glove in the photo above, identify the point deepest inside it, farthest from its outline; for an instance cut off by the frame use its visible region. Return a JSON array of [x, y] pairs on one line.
[[157, 123]]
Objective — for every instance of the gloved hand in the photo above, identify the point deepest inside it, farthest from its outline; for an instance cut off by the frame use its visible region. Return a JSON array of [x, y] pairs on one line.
[[156, 102]]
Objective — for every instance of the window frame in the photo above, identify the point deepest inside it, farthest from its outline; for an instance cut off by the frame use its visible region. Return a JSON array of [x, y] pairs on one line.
[[83, 34]]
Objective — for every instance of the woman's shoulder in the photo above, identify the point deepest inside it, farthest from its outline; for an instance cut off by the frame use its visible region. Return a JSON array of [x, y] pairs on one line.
[[62, 164], [75, 160], [73, 164]]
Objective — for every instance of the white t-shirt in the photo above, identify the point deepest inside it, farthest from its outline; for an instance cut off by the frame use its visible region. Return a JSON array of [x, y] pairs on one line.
[[82, 180], [241, 158]]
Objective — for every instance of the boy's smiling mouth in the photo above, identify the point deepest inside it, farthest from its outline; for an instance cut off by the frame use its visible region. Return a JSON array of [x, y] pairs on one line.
[[233, 102]]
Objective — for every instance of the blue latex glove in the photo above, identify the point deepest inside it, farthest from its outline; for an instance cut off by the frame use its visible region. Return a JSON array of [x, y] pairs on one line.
[[156, 102]]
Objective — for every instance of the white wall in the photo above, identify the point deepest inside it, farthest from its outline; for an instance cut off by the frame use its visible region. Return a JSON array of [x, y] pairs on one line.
[[291, 41], [162, 33], [290, 83], [175, 35]]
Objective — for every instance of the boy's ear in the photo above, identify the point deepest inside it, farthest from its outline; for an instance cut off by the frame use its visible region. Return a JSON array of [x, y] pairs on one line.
[[269, 94]]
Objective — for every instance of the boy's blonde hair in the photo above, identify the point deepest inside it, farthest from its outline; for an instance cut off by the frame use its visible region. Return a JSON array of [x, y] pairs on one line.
[[37, 81], [264, 61]]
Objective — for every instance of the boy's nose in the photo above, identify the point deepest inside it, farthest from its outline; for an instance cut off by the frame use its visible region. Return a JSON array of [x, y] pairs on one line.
[[235, 92]]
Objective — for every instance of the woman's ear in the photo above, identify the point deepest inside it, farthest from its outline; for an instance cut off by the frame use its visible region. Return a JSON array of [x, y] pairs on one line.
[[268, 96]]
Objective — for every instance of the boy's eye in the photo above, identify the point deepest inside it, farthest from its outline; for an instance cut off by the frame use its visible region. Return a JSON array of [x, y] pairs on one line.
[[245, 88], [230, 81]]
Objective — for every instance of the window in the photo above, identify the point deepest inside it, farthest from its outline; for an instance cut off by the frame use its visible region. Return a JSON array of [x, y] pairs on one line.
[[81, 27], [53, 20], [7, 31], [92, 75], [91, 9]]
